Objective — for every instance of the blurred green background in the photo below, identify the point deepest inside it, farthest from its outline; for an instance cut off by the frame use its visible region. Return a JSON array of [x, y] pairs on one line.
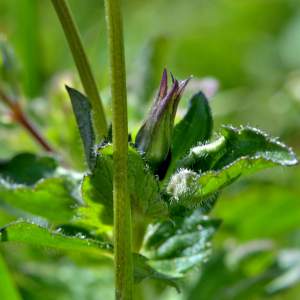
[[250, 49]]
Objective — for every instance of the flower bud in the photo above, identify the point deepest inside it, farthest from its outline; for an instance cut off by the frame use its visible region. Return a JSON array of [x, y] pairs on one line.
[[154, 137]]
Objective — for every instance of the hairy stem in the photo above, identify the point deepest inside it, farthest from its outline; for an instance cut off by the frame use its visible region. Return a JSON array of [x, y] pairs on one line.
[[20, 116], [82, 64], [122, 214]]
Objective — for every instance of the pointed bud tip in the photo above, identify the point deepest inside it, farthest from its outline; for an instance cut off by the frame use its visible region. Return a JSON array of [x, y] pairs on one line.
[[183, 84], [163, 88], [172, 77]]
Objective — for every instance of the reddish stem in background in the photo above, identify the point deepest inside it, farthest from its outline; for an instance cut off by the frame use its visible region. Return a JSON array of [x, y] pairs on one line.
[[23, 119]]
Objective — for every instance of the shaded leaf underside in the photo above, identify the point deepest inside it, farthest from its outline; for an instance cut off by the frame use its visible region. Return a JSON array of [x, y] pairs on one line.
[[175, 249], [82, 110], [27, 168]]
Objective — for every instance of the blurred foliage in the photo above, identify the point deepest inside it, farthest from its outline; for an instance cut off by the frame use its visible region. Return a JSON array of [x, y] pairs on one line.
[[250, 47]]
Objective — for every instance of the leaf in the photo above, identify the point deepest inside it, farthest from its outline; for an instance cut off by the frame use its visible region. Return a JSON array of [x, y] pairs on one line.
[[142, 270], [28, 168], [189, 189], [195, 127], [234, 155], [52, 199], [143, 187], [82, 111], [97, 193], [22, 232], [234, 145], [7, 287], [175, 249]]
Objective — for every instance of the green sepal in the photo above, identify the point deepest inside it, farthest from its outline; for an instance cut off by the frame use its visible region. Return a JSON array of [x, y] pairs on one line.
[[46, 199], [82, 110], [195, 127]]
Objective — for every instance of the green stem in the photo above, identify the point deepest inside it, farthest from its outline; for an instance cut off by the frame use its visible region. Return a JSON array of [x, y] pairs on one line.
[[122, 214], [82, 64]]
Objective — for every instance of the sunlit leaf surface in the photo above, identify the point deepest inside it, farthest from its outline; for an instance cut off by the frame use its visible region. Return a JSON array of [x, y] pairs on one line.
[[52, 199], [22, 232], [234, 155], [97, 191]]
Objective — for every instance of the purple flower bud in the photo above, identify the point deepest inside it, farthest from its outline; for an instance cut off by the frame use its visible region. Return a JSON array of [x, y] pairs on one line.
[[154, 137]]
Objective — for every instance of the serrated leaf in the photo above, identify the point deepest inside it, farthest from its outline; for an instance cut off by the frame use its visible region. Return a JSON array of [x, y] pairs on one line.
[[97, 193], [7, 287], [189, 189], [175, 249], [51, 199], [143, 187], [235, 154], [236, 144], [27, 233], [82, 110], [142, 270], [22, 232], [196, 126], [28, 168]]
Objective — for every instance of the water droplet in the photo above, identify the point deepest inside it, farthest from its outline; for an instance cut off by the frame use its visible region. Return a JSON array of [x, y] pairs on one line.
[[107, 246], [199, 227]]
